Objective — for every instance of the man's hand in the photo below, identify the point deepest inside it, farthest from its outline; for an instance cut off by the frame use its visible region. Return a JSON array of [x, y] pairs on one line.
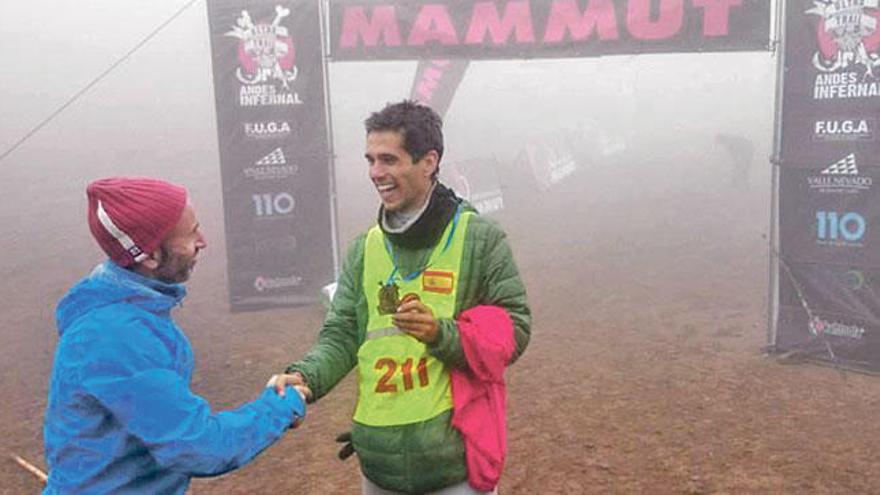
[[296, 380], [347, 447], [416, 319], [280, 382]]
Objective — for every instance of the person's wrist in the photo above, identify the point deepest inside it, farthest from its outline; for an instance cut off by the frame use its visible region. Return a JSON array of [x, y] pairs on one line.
[[438, 334], [305, 389]]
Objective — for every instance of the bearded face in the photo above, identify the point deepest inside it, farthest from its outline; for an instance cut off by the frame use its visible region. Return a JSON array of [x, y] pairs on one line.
[[177, 254], [175, 267]]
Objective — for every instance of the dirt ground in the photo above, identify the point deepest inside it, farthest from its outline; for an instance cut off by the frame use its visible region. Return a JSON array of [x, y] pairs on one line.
[[645, 373]]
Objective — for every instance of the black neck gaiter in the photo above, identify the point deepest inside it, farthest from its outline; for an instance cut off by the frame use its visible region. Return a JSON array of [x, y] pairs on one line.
[[427, 229]]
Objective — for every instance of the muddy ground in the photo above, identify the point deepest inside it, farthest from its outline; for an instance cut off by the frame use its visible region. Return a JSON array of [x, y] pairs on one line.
[[645, 374]]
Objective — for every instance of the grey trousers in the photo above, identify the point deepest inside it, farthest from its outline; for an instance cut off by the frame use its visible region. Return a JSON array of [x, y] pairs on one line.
[[370, 488]]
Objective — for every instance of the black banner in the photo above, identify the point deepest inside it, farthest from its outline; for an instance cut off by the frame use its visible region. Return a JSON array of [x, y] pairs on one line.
[[842, 289], [851, 339], [274, 151], [829, 212], [831, 102], [436, 81], [405, 29]]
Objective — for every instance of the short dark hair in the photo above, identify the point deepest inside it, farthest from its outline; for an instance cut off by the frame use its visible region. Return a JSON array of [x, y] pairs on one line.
[[419, 125]]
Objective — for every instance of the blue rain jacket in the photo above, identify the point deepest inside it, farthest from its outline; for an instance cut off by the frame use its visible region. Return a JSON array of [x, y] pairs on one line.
[[121, 417]]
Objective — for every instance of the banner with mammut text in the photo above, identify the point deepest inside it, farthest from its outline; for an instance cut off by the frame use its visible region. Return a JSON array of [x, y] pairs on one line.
[[274, 151], [498, 29], [829, 208]]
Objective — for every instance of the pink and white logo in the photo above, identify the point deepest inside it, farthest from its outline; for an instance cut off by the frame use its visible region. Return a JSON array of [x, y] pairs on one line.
[[817, 326], [847, 35], [262, 284], [265, 50]]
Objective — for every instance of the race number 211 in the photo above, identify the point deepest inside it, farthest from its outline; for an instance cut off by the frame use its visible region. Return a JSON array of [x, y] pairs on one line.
[[391, 368]]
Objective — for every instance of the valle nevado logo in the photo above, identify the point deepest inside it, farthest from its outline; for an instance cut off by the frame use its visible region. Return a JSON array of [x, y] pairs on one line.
[[840, 177], [274, 165]]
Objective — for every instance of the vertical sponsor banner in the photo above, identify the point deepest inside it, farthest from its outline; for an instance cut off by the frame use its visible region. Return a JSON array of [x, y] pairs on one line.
[[436, 81], [829, 208], [274, 152]]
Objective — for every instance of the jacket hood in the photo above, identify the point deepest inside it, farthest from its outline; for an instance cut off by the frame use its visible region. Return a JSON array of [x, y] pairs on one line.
[[110, 284]]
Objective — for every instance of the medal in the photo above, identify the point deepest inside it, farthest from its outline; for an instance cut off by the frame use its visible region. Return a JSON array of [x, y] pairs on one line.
[[389, 298], [389, 292], [412, 296]]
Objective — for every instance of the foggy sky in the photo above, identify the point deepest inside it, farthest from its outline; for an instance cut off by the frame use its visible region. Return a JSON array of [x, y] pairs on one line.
[[154, 115]]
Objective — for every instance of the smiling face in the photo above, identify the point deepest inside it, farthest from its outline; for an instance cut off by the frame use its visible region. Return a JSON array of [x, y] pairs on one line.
[[403, 185]]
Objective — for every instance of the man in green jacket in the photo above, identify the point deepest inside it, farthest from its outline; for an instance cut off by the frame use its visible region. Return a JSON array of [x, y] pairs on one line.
[[404, 283]]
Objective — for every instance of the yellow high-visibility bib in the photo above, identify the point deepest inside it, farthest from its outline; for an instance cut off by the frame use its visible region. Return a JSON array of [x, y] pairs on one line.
[[399, 382]]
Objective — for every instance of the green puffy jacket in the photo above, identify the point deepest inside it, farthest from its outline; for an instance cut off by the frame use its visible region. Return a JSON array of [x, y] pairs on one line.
[[425, 456]]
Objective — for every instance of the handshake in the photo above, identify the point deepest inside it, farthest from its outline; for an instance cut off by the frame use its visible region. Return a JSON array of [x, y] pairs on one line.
[[295, 380], [299, 383]]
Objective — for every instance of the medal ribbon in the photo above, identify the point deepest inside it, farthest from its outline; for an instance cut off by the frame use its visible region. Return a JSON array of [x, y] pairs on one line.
[[407, 278]]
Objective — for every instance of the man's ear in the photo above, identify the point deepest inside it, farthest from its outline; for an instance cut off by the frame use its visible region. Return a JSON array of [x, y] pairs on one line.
[[153, 260], [431, 161]]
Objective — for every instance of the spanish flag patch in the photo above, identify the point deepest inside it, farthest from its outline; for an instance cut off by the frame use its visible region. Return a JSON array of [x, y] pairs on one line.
[[437, 281]]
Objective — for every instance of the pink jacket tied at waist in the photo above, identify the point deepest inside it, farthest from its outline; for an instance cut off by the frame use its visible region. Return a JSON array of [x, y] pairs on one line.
[[479, 394]]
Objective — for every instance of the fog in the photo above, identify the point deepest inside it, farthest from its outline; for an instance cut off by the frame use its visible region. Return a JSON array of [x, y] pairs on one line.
[[673, 105], [154, 113], [652, 177]]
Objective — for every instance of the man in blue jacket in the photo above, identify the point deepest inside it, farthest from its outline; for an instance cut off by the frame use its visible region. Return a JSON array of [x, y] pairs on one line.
[[121, 417]]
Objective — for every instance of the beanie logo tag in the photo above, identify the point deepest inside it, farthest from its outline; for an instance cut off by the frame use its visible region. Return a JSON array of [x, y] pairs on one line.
[[120, 236]]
